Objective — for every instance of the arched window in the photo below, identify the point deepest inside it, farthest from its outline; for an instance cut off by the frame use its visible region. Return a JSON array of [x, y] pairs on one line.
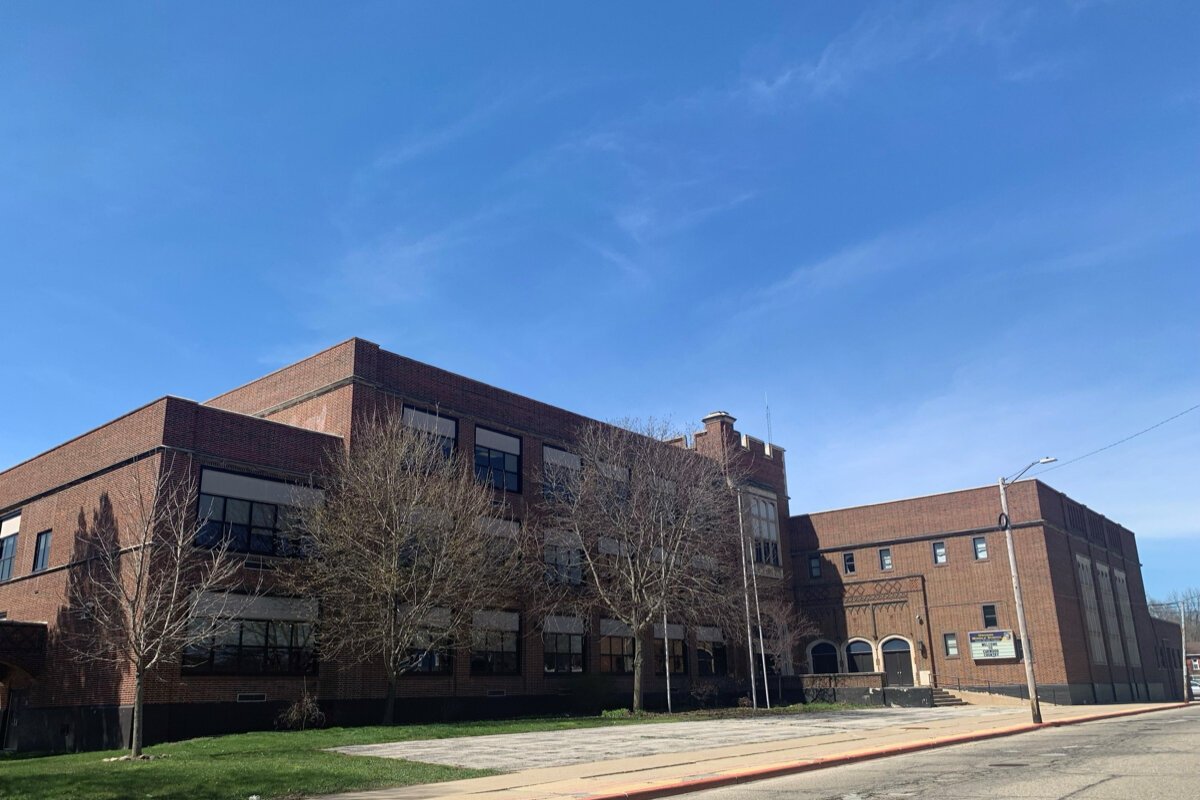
[[860, 657], [824, 658]]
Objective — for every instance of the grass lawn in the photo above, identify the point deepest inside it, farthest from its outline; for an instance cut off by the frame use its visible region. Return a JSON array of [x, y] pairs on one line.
[[280, 764]]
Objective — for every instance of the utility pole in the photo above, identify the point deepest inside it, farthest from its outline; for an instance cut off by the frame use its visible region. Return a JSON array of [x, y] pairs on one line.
[[1035, 708]]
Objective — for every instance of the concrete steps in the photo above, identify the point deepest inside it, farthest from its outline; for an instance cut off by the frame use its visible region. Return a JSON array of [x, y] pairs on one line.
[[943, 698]]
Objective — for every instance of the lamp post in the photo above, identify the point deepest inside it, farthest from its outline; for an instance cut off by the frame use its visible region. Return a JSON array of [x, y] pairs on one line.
[[1035, 709]]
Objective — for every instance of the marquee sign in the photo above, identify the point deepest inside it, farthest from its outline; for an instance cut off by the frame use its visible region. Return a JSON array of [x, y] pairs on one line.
[[991, 645]]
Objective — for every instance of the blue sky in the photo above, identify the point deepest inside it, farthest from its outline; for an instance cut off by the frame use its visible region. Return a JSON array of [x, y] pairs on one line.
[[940, 239]]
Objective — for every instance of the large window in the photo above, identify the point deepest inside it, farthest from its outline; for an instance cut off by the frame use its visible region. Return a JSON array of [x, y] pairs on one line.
[[498, 459], [254, 515], [860, 657], [430, 653], [249, 527], [616, 648], [711, 660], [444, 429], [564, 564], [675, 645], [824, 658], [41, 551], [495, 636], [764, 528], [253, 647], [10, 526], [562, 646], [559, 473]]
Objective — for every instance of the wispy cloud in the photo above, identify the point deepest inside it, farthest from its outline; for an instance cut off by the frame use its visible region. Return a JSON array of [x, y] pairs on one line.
[[888, 35]]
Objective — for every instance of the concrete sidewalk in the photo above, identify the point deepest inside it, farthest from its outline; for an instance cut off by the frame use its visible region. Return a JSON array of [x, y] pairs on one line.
[[658, 760]]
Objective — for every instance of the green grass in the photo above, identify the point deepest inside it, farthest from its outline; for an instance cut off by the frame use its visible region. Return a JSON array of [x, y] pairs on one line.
[[280, 764]]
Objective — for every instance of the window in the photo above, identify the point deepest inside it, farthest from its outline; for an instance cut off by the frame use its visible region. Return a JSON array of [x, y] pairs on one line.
[[494, 638], [814, 566], [253, 647], [764, 529], [950, 643], [498, 459], [41, 551], [711, 660], [939, 553], [678, 657], [435, 660], [560, 471], [564, 564], [430, 651], [885, 558], [980, 545], [616, 648], [562, 653], [860, 657], [989, 616], [562, 646], [677, 647], [848, 563], [248, 526], [444, 429], [824, 658], [10, 526]]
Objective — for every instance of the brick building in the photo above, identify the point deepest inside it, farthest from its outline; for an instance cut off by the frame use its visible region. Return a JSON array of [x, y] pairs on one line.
[[896, 588], [248, 450], [920, 589]]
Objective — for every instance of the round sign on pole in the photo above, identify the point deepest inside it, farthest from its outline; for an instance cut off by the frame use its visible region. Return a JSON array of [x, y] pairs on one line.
[[1003, 521]]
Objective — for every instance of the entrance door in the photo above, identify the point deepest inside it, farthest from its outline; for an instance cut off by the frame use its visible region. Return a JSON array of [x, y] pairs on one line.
[[897, 662]]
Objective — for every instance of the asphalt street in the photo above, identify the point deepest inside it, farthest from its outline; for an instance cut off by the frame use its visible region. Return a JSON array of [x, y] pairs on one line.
[[1135, 758]]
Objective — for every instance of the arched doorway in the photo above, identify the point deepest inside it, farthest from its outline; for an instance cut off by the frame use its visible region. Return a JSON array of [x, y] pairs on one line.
[[823, 658], [860, 657], [897, 662]]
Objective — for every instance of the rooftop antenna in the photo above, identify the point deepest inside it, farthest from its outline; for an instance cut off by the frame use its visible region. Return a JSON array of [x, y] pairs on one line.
[[770, 438]]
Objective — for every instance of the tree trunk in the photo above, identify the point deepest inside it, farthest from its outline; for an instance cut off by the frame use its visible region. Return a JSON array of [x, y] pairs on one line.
[[389, 704], [135, 732], [637, 674]]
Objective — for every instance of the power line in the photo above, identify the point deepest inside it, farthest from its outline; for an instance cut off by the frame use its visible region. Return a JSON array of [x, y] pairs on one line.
[[1062, 464]]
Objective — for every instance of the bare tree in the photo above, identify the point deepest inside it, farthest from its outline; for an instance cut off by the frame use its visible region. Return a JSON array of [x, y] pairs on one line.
[[783, 629], [405, 547], [144, 594], [655, 529]]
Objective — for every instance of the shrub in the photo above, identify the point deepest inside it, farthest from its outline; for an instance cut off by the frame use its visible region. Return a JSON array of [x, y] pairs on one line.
[[616, 713], [303, 713], [704, 693]]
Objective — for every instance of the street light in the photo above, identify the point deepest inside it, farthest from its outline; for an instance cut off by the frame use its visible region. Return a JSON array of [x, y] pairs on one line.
[[1034, 709]]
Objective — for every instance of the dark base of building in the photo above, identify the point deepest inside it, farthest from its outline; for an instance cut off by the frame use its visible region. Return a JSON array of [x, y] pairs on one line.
[[1076, 694]]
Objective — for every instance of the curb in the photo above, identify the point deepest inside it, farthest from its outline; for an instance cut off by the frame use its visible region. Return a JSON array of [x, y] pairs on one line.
[[734, 778]]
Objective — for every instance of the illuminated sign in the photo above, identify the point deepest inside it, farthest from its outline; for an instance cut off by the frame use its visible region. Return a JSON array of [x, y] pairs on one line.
[[993, 644]]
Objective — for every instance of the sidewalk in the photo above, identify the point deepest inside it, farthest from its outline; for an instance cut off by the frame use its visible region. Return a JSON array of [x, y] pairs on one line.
[[658, 760]]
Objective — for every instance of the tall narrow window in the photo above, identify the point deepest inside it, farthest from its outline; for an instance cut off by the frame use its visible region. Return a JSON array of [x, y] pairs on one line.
[[710, 652], [950, 643], [560, 472], [848, 563], [10, 526], [980, 545], [989, 616], [814, 566], [498, 459], [939, 553], [675, 644], [764, 529], [885, 558], [41, 551]]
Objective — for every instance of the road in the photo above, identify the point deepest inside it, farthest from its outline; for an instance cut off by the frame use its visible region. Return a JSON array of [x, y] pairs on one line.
[[1145, 757]]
